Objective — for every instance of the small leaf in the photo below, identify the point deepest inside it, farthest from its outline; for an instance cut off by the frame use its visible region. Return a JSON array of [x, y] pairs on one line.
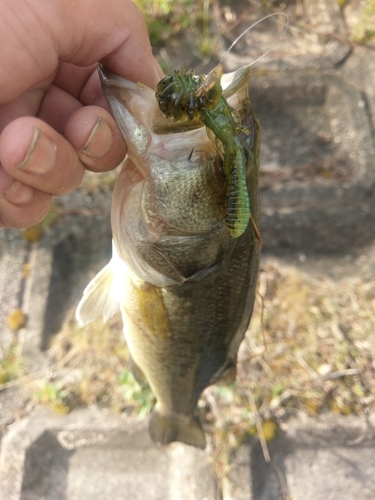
[[32, 234], [270, 429], [16, 319]]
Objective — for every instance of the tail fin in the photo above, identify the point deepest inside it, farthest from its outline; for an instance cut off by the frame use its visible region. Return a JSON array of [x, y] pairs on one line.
[[166, 429]]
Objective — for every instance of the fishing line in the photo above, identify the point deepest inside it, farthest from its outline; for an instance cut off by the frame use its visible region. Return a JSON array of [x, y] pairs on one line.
[[279, 35]]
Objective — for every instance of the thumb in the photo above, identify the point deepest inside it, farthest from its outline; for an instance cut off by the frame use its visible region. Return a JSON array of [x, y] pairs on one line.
[[113, 32], [37, 35]]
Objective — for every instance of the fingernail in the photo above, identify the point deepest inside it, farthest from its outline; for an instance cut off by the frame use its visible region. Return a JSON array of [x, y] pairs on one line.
[[41, 155], [99, 142], [158, 71], [19, 193]]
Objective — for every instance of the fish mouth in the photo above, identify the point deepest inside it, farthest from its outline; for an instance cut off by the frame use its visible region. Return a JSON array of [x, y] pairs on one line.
[[234, 87]]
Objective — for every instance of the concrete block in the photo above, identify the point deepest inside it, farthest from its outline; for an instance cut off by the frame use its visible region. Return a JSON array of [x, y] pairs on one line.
[[93, 454], [13, 255], [62, 264], [317, 164], [325, 458]]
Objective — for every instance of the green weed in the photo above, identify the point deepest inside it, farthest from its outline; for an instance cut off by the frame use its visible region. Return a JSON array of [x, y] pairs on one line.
[[11, 366], [364, 29], [139, 398]]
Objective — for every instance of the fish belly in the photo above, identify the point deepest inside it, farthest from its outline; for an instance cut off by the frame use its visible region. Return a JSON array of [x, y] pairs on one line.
[[184, 337]]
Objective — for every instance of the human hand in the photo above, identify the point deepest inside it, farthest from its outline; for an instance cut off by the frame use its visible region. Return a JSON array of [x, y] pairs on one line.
[[54, 121]]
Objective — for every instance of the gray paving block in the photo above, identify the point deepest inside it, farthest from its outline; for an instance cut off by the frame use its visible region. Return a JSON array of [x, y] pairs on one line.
[[359, 70], [317, 163], [35, 300], [325, 458], [62, 264], [80, 246], [93, 454], [13, 255]]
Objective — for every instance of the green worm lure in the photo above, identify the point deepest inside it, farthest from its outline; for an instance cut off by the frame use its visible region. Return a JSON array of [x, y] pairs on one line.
[[184, 96]]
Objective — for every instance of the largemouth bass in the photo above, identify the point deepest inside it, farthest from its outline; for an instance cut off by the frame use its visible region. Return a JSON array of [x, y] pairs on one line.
[[182, 273]]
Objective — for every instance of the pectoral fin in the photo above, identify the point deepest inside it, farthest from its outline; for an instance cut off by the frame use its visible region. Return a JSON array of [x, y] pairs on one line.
[[166, 429], [98, 298]]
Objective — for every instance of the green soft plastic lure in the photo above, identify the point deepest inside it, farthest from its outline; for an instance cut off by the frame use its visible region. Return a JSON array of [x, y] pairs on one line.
[[184, 96]]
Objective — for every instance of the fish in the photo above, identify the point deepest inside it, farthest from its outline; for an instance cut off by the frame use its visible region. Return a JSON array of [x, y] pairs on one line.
[[183, 277]]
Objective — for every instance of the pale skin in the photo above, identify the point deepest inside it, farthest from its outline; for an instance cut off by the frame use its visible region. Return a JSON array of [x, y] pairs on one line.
[[54, 122]]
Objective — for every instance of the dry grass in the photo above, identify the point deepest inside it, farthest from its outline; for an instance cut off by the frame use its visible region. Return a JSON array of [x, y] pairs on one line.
[[89, 366], [310, 348], [315, 348], [11, 367], [363, 30]]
